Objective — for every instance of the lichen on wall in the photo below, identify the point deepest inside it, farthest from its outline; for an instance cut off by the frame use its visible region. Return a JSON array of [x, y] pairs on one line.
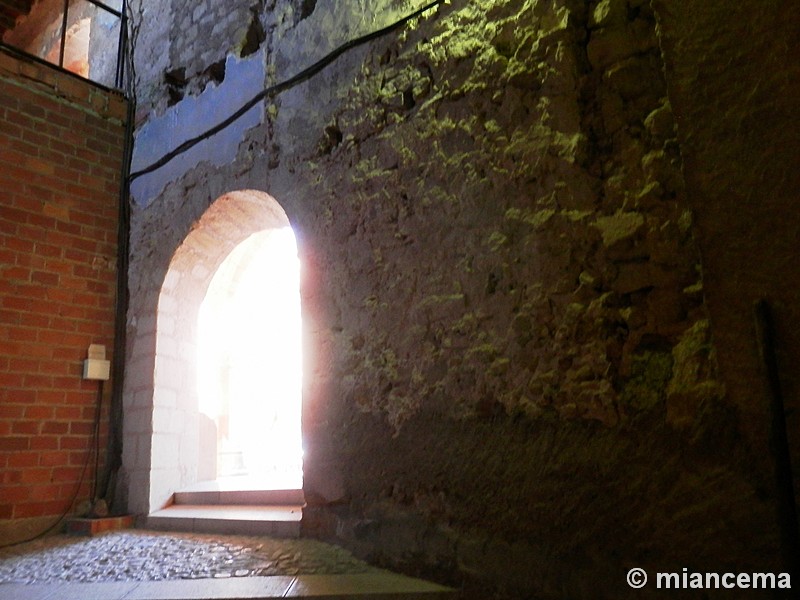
[[565, 241]]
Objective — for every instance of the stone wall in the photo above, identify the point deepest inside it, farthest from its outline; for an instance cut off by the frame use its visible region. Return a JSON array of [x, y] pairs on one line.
[[740, 144], [511, 379], [733, 76]]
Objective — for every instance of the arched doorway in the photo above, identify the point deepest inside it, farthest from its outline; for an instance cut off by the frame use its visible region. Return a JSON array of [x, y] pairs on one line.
[[249, 359], [221, 261]]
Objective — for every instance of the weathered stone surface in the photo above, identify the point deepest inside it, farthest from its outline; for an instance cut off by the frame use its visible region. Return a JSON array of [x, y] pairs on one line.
[[509, 337]]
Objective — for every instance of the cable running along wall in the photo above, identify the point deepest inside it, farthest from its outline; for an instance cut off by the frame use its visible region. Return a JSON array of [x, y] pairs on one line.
[[287, 84]]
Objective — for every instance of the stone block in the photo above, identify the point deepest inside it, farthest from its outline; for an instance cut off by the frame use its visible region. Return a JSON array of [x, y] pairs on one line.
[[610, 45]]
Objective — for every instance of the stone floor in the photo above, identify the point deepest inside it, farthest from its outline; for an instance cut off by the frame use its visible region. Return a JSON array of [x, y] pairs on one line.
[[138, 555]]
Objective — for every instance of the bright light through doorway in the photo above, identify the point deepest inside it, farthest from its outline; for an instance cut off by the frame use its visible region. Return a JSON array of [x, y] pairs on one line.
[[249, 362]]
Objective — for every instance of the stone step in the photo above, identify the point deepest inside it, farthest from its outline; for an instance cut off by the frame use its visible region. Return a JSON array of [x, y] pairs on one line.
[[199, 496], [271, 520], [368, 586]]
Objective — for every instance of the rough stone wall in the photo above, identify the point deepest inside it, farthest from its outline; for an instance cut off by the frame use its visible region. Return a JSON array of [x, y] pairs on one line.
[[513, 383], [733, 77], [739, 135]]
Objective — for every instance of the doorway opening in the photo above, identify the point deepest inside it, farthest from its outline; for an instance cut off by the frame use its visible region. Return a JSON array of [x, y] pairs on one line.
[[249, 366], [226, 384]]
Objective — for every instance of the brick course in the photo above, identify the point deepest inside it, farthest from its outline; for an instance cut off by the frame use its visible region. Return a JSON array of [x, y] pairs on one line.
[[61, 146]]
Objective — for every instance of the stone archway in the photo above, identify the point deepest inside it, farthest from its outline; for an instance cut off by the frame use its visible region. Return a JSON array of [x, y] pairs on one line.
[[175, 443]]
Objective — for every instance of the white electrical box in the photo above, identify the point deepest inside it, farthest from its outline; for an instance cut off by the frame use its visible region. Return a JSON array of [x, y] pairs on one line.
[[96, 366]]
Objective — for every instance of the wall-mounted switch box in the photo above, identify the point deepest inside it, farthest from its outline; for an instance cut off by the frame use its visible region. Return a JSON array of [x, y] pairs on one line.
[[96, 366]]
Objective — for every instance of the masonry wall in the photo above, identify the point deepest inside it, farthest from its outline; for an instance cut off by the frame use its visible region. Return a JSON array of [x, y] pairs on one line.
[[512, 382], [740, 143], [61, 144]]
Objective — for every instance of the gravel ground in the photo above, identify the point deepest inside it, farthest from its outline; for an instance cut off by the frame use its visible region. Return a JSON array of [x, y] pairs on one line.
[[138, 555]]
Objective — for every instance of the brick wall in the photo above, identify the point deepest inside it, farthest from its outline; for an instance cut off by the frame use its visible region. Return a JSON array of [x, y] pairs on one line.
[[61, 146]]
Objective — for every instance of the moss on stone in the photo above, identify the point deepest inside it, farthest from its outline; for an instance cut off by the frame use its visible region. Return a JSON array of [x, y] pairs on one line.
[[619, 226], [646, 388]]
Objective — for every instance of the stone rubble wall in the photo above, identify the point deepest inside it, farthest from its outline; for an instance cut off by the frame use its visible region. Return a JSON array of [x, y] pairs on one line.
[[513, 381]]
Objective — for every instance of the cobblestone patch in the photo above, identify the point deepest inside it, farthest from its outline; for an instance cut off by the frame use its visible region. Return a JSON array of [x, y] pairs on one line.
[[150, 556]]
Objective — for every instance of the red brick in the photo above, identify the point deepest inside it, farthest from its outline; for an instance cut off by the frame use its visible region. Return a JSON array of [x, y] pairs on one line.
[[62, 474], [38, 509], [18, 244], [43, 221], [73, 254], [23, 365], [18, 273], [25, 428], [55, 427], [12, 411], [45, 442], [14, 494], [9, 316], [68, 384], [18, 333], [36, 475], [72, 443], [55, 368], [50, 336], [14, 443], [38, 381], [32, 291], [23, 460], [68, 412], [81, 428], [34, 320], [39, 412], [57, 458], [76, 457], [11, 379], [27, 396], [53, 397], [49, 492]]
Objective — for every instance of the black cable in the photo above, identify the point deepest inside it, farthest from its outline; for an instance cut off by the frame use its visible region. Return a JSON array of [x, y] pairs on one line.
[[107, 485], [98, 411], [785, 502], [276, 89]]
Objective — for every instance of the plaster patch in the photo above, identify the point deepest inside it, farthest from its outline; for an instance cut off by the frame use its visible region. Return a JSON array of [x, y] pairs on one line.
[[244, 78]]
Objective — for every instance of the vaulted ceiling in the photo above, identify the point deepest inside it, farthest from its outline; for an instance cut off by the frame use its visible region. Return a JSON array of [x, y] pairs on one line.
[[10, 11]]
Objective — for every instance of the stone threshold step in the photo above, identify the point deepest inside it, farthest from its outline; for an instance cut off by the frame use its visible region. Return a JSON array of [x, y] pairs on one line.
[[276, 521], [382, 585], [254, 497]]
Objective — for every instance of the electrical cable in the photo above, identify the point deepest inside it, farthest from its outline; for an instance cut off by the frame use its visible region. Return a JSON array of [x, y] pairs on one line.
[[98, 411], [107, 485], [276, 89]]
